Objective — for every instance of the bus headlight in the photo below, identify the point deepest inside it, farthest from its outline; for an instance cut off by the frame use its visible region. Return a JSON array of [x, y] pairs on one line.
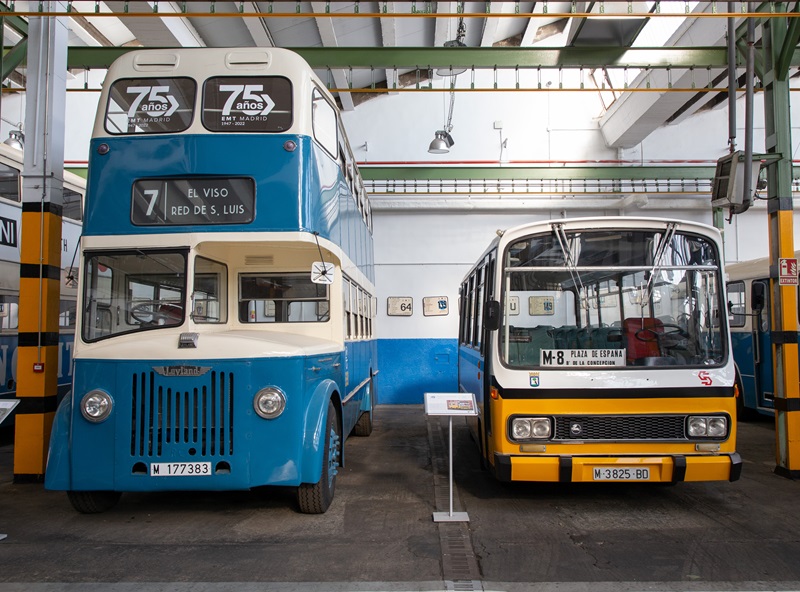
[[531, 428], [715, 426], [96, 406], [269, 402]]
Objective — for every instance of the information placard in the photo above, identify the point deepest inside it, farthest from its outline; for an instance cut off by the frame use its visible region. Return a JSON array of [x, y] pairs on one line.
[[399, 306], [450, 404], [435, 306], [184, 202]]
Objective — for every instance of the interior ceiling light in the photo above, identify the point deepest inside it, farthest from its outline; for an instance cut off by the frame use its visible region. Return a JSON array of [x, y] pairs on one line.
[[441, 143], [16, 139]]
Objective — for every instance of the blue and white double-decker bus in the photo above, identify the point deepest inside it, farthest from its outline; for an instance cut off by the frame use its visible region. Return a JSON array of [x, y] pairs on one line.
[[225, 327]]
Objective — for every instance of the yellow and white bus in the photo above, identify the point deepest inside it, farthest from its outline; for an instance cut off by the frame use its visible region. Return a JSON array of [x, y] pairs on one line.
[[598, 350]]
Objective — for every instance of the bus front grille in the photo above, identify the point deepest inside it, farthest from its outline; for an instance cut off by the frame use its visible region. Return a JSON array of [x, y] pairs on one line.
[[199, 419], [620, 427]]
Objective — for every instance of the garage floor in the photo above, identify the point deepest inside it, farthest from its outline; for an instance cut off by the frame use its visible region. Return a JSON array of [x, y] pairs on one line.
[[379, 534]]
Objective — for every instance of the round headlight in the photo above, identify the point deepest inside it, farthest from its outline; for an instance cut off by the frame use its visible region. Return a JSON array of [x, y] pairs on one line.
[[541, 427], [717, 427], [96, 406], [520, 429], [269, 402]]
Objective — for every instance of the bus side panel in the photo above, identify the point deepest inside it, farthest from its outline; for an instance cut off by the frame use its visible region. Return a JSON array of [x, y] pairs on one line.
[[359, 367], [471, 379], [742, 348]]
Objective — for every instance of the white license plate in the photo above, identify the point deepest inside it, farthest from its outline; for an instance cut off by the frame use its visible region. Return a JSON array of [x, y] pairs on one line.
[[180, 469], [621, 474]]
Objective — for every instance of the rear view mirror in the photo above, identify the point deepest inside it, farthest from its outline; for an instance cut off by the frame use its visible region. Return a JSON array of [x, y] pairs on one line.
[[491, 315], [758, 296]]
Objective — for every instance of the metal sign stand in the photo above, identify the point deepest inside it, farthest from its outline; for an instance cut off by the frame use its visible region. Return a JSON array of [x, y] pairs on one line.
[[450, 404]]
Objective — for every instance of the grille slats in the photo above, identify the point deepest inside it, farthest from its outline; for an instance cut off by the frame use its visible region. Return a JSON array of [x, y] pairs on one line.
[[620, 427], [200, 416]]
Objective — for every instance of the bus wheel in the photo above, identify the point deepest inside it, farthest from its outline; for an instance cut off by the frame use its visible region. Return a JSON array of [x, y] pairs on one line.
[[363, 426], [315, 498], [93, 502]]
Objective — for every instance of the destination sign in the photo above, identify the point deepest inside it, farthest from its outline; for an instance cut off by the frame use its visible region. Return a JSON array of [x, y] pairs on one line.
[[186, 202]]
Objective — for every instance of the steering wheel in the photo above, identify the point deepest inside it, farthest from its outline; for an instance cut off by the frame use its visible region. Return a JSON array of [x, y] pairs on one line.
[[672, 333], [153, 312]]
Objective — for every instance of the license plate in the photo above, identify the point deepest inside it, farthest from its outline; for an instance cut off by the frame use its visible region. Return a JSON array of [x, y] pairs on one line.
[[180, 469], [621, 474]]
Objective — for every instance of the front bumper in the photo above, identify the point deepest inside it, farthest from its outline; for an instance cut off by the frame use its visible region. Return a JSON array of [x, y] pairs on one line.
[[577, 469]]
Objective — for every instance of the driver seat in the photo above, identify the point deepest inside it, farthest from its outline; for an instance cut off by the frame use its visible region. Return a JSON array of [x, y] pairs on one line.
[[637, 349]]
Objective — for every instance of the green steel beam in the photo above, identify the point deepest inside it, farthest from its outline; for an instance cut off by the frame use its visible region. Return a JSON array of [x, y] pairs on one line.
[[19, 24], [14, 57], [467, 57], [789, 45]]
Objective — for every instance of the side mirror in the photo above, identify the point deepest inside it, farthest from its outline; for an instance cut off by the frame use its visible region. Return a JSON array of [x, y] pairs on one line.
[[491, 315], [758, 296]]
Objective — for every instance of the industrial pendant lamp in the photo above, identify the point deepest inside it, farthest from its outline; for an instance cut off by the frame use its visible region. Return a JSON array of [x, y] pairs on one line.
[[442, 140]]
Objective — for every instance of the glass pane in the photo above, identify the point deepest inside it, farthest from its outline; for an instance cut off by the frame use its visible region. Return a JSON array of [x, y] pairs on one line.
[[611, 298], [150, 105], [209, 298], [247, 104], [133, 291], [282, 298]]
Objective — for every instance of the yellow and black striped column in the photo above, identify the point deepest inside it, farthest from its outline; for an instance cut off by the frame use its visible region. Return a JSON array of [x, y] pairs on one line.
[[781, 235], [37, 351], [40, 252]]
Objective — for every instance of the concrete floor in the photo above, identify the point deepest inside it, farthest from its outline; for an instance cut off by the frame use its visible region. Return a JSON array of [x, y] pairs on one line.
[[379, 534]]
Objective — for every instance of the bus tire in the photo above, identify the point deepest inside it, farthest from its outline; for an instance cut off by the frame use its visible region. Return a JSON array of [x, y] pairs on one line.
[[363, 426], [317, 497], [93, 502]]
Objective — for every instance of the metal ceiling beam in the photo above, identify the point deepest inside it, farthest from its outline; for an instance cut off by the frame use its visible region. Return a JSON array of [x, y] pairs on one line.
[[389, 39], [19, 24], [13, 58], [329, 41], [469, 57], [602, 173]]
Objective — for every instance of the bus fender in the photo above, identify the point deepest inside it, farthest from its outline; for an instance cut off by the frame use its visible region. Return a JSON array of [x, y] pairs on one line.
[[313, 442], [58, 471]]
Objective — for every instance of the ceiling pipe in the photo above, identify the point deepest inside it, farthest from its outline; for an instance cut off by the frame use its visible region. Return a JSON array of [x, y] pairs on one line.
[[747, 197], [731, 81]]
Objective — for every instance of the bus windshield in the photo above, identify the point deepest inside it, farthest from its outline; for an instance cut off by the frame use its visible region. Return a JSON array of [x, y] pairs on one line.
[[127, 291], [623, 298]]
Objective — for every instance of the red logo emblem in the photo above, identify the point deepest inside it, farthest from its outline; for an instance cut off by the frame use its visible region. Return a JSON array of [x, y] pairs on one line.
[[704, 377]]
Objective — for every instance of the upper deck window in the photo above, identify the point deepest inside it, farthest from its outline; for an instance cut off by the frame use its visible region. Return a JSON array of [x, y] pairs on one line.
[[150, 105], [324, 120], [247, 104]]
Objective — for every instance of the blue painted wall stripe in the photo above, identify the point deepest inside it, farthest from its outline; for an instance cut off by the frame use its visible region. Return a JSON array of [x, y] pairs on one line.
[[411, 367]]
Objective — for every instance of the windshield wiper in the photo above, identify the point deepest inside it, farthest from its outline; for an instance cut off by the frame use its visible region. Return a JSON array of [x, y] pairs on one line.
[[563, 242], [657, 264]]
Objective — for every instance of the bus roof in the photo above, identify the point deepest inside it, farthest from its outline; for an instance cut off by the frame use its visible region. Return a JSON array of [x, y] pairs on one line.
[[201, 63]]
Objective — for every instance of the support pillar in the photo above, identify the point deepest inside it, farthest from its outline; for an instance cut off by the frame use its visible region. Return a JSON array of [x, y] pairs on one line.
[[781, 237], [41, 247]]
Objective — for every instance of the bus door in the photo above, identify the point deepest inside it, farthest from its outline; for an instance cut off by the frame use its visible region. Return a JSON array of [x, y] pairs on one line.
[[762, 343]]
